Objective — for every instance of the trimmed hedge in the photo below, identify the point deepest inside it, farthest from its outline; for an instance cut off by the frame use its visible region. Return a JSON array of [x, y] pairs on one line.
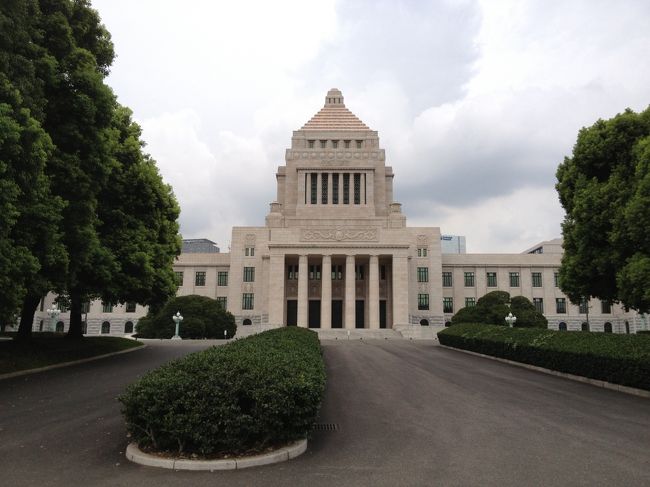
[[252, 394], [620, 359]]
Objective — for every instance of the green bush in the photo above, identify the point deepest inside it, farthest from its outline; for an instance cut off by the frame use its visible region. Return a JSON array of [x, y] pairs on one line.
[[620, 359], [643, 332], [203, 317], [259, 392], [495, 306]]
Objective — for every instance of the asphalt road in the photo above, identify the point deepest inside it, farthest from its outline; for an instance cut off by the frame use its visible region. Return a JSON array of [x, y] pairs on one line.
[[408, 413]]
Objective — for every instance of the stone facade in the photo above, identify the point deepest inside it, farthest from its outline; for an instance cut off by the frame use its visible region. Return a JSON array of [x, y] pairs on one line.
[[336, 252]]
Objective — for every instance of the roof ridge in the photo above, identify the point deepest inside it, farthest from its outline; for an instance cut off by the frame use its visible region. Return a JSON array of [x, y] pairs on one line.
[[334, 115]]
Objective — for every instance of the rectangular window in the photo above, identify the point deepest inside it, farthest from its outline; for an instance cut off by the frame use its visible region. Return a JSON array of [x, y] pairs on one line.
[[423, 301], [469, 302], [539, 304], [469, 279], [310, 144], [323, 144], [335, 188], [292, 272], [447, 280], [199, 279], [358, 272], [382, 273], [346, 188], [337, 272], [249, 274], [314, 272], [43, 303], [179, 278], [222, 301], [324, 183], [247, 301], [560, 305], [514, 279], [419, 252], [583, 307], [249, 251], [222, 278], [491, 279], [357, 188], [606, 307], [130, 307], [347, 144], [106, 308], [422, 252], [85, 307], [556, 278], [314, 188], [335, 144], [447, 305], [537, 279], [359, 144], [423, 274]]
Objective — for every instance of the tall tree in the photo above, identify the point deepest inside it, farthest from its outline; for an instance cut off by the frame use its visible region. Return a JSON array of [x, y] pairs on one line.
[[604, 188]]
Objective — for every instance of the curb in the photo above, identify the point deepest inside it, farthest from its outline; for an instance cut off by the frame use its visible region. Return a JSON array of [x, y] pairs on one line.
[[283, 454], [577, 378], [67, 364]]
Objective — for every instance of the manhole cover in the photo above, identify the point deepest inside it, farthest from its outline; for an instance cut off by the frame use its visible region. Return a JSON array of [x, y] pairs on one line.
[[326, 427]]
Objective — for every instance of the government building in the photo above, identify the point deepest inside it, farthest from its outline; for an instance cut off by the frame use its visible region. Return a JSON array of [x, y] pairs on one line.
[[336, 252]]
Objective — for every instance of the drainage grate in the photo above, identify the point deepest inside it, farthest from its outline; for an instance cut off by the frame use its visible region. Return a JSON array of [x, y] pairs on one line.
[[326, 427]]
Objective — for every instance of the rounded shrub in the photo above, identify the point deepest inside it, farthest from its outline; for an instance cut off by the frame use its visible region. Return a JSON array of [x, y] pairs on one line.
[[259, 392], [203, 317], [492, 309]]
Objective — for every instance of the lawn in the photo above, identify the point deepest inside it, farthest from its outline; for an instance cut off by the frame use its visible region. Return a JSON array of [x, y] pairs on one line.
[[52, 348]]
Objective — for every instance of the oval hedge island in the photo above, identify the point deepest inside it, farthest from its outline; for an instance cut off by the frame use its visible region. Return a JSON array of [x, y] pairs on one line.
[[248, 398]]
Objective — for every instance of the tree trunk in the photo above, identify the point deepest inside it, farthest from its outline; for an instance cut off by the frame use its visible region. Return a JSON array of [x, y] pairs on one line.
[[75, 331], [30, 304]]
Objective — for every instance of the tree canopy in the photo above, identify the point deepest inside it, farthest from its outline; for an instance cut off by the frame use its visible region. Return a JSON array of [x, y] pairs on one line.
[[604, 188], [492, 309]]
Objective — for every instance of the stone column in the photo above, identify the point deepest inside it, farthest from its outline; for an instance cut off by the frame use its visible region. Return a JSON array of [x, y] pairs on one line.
[[400, 290], [350, 299], [303, 292], [276, 290], [373, 293], [326, 293]]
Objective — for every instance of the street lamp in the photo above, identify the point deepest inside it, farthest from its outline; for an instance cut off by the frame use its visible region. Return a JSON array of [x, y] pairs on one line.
[[53, 313], [177, 319], [511, 320], [225, 334]]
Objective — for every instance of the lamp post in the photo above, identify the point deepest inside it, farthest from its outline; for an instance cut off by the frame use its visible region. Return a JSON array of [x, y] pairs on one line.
[[177, 319], [53, 312], [225, 334], [511, 320]]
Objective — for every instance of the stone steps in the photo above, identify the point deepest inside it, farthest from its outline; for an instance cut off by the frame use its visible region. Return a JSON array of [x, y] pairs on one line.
[[358, 334]]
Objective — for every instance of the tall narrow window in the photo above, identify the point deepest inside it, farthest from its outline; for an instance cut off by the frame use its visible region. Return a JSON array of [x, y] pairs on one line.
[[323, 144], [560, 305], [359, 144], [314, 188], [346, 188], [447, 305], [365, 190], [423, 301], [335, 188], [357, 188], [179, 277], [130, 307], [556, 278], [446, 279], [347, 144], [247, 301], [306, 188], [359, 272], [324, 183], [222, 301], [491, 279], [382, 272], [469, 279], [314, 272], [199, 279], [606, 307], [423, 274], [537, 279], [583, 306], [539, 304], [335, 144], [514, 279], [222, 278], [107, 307], [249, 274]]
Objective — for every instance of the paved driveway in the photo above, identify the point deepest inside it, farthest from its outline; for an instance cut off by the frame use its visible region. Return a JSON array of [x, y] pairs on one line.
[[408, 413]]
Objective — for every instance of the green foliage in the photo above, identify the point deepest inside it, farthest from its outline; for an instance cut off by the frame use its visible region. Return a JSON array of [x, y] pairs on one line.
[[203, 317], [255, 393], [620, 359], [604, 188], [492, 309]]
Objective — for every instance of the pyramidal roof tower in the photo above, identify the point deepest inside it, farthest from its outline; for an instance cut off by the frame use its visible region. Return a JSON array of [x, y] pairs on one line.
[[335, 174]]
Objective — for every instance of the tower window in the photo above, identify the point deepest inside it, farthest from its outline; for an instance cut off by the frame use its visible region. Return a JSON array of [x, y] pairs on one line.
[[346, 189], [347, 144], [310, 144], [357, 188], [314, 188], [324, 183], [359, 144], [335, 188], [335, 144], [323, 144]]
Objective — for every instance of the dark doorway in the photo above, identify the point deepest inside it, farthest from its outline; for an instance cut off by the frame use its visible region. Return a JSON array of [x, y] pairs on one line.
[[608, 327], [424, 322], [382, 313], [337, 313], [359, 313], [292, 312], [314, 314]]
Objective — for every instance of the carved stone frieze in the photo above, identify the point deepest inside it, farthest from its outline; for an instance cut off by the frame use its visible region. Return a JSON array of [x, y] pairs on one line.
[[341, 234]]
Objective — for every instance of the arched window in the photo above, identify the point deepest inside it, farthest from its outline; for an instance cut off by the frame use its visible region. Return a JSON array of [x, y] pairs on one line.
[[247, 322], [424, 322], [585, 326], [60, 327], [128, 327], [106, 328], [447, 323], [608, 327], [561, 326]]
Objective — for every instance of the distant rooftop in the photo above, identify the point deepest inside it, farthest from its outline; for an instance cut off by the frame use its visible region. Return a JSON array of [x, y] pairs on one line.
[[547, 247], [334, 115], [199, 246]]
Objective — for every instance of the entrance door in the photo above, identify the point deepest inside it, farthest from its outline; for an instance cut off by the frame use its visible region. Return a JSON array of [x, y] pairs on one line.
[[292, 312], [382, 313], [337, 313], [314, 314], [359, 313]]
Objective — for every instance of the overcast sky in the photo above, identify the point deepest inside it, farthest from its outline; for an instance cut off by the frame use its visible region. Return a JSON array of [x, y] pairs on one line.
[[476, 102]]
